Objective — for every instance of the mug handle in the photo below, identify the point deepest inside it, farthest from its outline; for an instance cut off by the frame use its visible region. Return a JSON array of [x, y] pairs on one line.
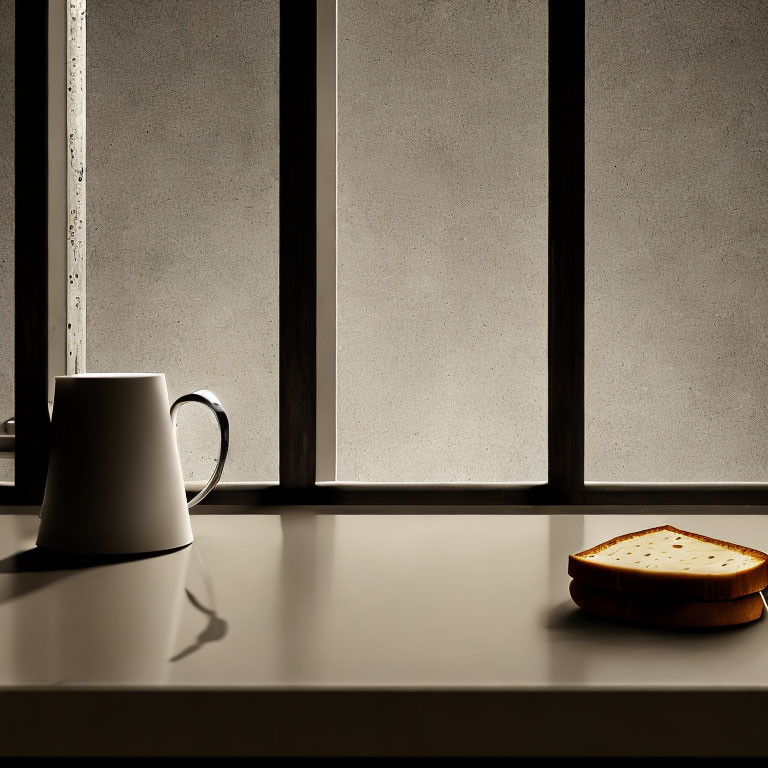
[[206, 397]]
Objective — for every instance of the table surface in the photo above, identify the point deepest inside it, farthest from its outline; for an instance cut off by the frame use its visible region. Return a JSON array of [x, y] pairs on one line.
[[299, 600]]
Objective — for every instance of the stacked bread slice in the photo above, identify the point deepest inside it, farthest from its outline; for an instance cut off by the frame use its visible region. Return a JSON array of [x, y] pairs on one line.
[[671, 577]]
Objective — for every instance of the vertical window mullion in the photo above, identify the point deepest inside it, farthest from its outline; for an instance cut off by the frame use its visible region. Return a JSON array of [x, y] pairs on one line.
[[566, 249], [298, 239], [31, 251]]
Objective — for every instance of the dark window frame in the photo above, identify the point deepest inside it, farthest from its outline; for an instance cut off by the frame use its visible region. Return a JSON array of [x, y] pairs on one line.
[[31, 255], [298, 287]]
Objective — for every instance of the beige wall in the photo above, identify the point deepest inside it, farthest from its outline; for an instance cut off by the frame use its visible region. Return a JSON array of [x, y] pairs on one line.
[[677, 256], [182, 151], [442, 240]]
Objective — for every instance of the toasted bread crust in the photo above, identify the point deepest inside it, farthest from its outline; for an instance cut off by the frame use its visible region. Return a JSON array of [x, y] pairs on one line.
[[666, 612], [688, 586]]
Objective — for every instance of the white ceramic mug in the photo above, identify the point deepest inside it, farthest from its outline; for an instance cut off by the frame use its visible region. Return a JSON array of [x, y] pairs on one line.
[[115, 484]]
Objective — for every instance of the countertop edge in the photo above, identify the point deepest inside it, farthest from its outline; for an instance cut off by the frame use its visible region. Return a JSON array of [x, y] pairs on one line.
[[365, 722]]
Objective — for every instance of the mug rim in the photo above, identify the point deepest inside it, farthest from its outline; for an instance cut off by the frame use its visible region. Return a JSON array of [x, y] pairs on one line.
[[86, 376]]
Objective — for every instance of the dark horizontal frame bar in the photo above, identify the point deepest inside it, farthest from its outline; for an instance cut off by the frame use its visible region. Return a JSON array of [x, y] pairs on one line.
[[540, 495], [652, 496], [386, 495]]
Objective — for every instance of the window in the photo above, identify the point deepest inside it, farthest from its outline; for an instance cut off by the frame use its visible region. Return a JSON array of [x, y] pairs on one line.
[[676, 242], [441, 320], [479, 419], [182, 152]]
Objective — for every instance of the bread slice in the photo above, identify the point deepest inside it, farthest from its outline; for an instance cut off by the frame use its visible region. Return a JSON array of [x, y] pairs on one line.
[[665, 611], [668, 562]]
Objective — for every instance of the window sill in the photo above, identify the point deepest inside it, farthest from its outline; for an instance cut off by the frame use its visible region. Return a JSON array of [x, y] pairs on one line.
[[367, 634]]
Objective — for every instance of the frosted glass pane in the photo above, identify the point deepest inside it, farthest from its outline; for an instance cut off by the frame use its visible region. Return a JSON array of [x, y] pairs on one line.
[[182, 151], [677, 186], [7, 209], [442, 259]]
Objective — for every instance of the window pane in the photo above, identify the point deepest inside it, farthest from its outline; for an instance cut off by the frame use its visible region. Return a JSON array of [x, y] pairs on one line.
[[7, 208], [441, 241], [182, 236], [677, 185]]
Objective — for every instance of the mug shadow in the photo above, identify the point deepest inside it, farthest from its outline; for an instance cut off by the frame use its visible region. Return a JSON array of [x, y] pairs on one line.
[[35, 568], [215, 630]]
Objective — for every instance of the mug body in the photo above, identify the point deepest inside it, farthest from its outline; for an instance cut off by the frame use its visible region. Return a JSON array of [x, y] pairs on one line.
[[114, 483]]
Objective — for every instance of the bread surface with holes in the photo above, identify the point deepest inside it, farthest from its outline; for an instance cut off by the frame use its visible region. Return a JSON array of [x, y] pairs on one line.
[[669, 562], [665, 611]]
